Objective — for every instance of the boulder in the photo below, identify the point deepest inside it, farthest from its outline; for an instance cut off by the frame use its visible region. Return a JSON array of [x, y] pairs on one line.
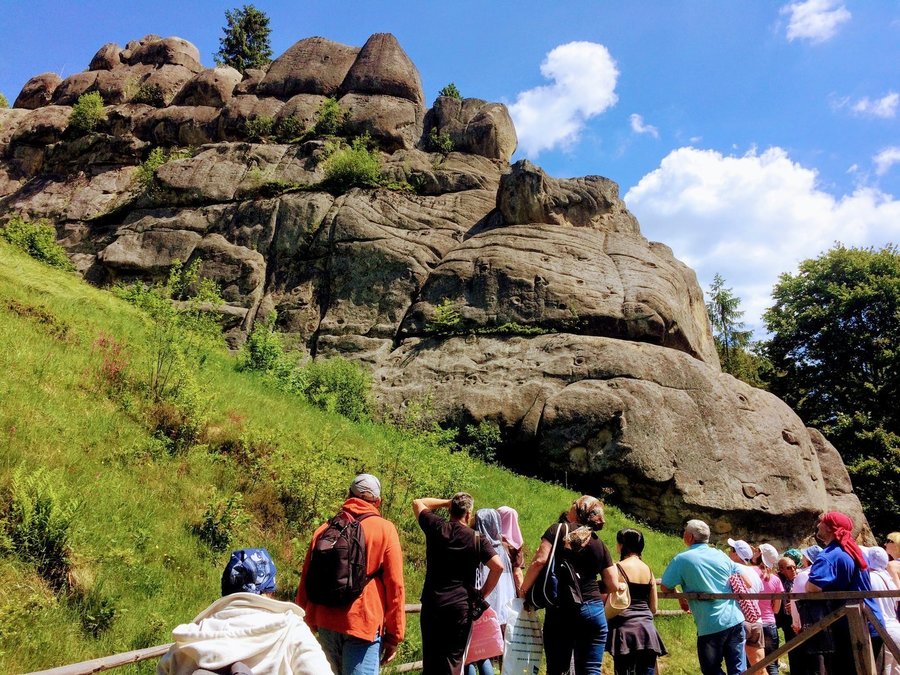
[[122, 119], [178, 125], [170, 79], [251, 78], [383, 68], [211, 87], [152, 252], [41, 126], [239, 271], [117, 86], [171, 51], [72, 87], [95, 150], [304, 108], [473, 126], [311, 66], [395, 123], [38, 91], [674, 438], [109, 56], [9, 122], [240, 109]]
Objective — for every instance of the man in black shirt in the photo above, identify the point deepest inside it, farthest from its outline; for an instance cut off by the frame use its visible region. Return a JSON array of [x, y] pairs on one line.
[[453, 553]]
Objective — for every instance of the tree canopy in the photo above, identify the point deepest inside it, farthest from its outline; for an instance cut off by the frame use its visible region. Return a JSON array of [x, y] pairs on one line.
[[245, 43], [835, 351]]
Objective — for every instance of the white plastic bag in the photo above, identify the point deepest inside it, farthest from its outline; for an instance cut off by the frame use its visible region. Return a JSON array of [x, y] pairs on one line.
[[523, 641]]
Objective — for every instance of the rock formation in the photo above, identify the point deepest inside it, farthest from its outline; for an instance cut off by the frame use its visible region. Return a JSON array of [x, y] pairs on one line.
[[586, 343]]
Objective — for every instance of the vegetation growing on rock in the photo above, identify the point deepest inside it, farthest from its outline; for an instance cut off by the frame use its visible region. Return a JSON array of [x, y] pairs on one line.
[[245, 43], [87, 113], [37, 239]]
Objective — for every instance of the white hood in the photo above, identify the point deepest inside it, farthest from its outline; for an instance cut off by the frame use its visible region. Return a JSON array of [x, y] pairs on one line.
[[268, 636]]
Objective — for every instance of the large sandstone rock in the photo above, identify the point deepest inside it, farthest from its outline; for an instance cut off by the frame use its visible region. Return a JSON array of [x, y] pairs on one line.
[[383, 68], [474, 126], [674, 437], [38, 91], [212, 87], [311, 66], [239, 110], [178, 125], [72, 87], [109, 56], [395, 123], [172, 51]]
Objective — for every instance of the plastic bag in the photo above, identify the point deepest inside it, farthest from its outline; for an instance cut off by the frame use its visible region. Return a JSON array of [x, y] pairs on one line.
[[523, 642], [486, 641]]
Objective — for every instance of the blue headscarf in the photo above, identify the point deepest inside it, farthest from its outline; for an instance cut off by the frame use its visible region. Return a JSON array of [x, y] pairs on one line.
[[250, 570]]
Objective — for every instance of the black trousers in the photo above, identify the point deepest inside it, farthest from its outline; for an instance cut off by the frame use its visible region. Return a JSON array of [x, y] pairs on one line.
[[445, 634]]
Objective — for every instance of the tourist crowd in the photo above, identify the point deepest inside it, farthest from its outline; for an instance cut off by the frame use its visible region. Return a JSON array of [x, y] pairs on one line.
[[349, 612]]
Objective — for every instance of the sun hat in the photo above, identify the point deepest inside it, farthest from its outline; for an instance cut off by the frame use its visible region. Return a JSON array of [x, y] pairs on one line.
[[769, 555], [742, 548], [366, 486]]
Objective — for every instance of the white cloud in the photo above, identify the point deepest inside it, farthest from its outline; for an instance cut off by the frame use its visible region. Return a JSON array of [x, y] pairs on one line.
[[752, 217], [814, 20], [885, 107], [885, 159], [584, 82], [638, 126]]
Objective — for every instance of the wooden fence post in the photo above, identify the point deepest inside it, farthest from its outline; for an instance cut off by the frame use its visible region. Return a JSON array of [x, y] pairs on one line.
[[860, 640]]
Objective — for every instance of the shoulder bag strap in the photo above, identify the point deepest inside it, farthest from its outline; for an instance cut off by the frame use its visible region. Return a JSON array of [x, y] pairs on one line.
[[622, 572], [552, 556]]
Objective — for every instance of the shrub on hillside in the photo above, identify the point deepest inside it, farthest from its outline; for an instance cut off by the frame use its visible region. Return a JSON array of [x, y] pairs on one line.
[[4, 103], [96, 611], [145, 176], [482, 440], [446, 319], [290, 129], [263, 350], [259, 128], [37, 239], [337, 385], [87, 113], [440, 142], [330, 119], [354, 166], [37, 522], [451, 91], [150, 94], [220, 520]]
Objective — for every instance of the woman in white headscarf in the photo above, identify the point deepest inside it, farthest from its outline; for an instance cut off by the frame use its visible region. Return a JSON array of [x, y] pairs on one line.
[[881, 580]]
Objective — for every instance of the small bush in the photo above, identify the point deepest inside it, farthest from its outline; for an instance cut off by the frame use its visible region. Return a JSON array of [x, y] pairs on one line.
[[263, 350], [4, 102], [482, 440], [37, 239], [289, 129], [150, 94], [221, 518], [337, 385], [259, 128], [308, 489], [356, 166], [440, 142], [87, 113], [145, 176], [451, 91], [446, 319], [96, 611], [37, 522], [330, 119]]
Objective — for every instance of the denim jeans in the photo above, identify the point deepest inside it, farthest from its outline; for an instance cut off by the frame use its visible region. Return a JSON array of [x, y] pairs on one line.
[[480, 668], [727, 644], [580, 631], [350, 655], [770, 637]]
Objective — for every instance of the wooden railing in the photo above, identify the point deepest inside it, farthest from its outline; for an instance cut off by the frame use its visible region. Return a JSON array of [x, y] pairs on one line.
[[857, 613]]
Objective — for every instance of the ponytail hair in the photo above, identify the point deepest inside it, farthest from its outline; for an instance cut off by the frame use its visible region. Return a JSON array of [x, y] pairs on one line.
[[632, 542]]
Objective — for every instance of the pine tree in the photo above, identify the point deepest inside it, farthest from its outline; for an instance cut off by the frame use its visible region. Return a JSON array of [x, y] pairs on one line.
[[736, 353], [245, 43]]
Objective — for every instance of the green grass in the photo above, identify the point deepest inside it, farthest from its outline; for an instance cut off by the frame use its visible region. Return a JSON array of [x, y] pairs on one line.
[[131, 539]]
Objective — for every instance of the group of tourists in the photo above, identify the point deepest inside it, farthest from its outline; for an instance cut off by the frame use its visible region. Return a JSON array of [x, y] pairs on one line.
[[349, 612], [744, 632]]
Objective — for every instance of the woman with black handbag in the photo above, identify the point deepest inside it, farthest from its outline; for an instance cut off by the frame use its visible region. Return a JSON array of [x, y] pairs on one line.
[[563, 579]]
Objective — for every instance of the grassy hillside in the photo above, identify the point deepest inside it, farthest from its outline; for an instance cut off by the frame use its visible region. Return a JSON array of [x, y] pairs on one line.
[[134, 518]]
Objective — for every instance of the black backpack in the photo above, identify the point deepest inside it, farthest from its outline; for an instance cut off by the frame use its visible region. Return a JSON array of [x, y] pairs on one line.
[[338, 562]]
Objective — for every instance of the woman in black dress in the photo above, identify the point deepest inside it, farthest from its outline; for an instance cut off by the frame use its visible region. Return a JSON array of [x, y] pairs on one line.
[[633, 640], [577, 630]]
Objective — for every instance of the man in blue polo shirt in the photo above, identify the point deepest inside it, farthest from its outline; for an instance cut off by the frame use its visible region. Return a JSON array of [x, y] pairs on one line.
[[720, 623]]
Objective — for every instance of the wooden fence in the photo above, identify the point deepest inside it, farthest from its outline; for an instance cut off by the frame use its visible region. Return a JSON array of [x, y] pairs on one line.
[[856, 611]]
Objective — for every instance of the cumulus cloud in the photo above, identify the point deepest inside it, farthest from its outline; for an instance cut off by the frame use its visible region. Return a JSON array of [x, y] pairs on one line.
[[885, 159], [639, 127], [583, 76], [814, 20], [885, 107], [752, 217]]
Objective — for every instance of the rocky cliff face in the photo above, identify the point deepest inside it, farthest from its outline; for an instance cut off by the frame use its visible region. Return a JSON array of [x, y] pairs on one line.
[[587, 343]]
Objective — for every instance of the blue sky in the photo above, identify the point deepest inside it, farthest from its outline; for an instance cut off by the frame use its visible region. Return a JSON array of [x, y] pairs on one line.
[[745, 135]]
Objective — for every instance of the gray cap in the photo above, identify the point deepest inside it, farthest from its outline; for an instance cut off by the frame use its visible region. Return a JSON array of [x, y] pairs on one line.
[[366, 486]]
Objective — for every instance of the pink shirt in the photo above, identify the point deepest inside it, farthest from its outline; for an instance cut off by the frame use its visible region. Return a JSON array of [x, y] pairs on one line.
[[771, 585]]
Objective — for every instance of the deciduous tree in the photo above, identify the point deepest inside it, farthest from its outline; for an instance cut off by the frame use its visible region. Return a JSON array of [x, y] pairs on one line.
[[835, 350]]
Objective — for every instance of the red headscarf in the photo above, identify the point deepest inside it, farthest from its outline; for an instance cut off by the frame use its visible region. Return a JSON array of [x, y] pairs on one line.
[[843, 532]]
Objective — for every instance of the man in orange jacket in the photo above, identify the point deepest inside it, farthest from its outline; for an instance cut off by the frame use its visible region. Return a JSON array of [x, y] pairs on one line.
[[358, 637]]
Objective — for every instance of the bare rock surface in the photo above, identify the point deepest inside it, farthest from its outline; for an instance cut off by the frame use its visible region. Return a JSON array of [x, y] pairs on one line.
[[38, 91], [588, 344], [311, 66]]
